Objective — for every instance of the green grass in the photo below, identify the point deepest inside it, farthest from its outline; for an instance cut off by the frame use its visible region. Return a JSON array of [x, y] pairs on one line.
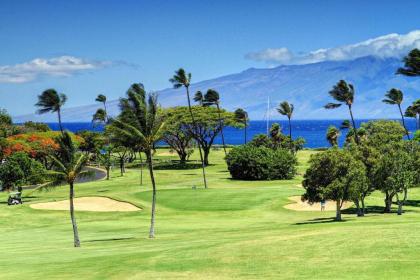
[[235, 229]]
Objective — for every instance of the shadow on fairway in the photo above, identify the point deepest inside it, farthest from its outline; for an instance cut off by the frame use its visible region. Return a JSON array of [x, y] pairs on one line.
[[178, 166], [108, 239], [413, 203], [319, 221]]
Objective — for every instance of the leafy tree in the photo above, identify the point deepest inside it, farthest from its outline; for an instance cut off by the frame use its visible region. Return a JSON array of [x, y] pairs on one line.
[[286, 109], [249, 162], [11, 175], [395, 97], [105, 158], [334, 174], [69, 166], [277, 139], [51, 101], [332, 135], [92, 141], [241, 117], [417, 136], [411, 63], [413, 111], [212, 98], [31, 126], [182, 79], [6, 124], [33, 171], [343, 93], [140, 119]]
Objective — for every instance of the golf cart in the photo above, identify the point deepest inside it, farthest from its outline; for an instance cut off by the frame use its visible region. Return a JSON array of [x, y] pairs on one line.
[[15, 198]]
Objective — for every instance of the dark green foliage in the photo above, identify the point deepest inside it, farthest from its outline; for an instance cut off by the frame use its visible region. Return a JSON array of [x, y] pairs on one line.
[[31, 126], [411, 63], [92, 141], [249, 162], [277, 140]]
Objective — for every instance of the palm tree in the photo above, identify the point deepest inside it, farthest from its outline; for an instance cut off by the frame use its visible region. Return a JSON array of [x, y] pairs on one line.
[[241, 116], [51, 101], [212, 97], [395, 97], [101, 115], [411, 63], [343, 93], [286, 109], [102, 99], [140, 120], [198, 97], [332, 135], [68, 165], [413, 111], [182, 79]]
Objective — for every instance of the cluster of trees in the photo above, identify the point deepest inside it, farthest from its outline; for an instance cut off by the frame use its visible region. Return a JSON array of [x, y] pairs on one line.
[[376, 157]]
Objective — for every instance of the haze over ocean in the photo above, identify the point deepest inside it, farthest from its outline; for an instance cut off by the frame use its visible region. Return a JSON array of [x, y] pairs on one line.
[[312, 130]]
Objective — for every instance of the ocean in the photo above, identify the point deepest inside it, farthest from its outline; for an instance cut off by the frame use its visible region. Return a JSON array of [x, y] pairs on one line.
[[312, 130]]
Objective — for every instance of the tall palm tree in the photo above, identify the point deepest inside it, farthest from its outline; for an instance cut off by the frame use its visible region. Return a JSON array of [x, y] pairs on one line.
[[413, 111], [102, 99], [182, 79], [101, 115], [140, 120], [51, 101], [199, 97], [343, 93], [286, 109], [395, 97], [68, 165], [212, 97], [241, 116], [332, 135]]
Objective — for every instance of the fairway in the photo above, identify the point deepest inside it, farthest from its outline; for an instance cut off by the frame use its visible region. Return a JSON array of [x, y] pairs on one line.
[[233, 230]]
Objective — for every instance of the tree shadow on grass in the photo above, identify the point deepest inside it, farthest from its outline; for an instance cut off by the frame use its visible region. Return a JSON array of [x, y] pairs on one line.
[[319, 221], [178, 166], [108, 239], [412, 203]]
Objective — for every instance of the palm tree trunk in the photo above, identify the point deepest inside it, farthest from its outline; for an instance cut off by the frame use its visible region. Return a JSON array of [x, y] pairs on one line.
[[221, 127], [403, 122], [141, 169], [73, 218], [152, 178], [290, 135], [356, 137], [198, 143], [59, 121]]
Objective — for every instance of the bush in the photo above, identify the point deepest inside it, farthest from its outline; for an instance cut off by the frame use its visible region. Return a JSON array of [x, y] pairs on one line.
[[248, 162]]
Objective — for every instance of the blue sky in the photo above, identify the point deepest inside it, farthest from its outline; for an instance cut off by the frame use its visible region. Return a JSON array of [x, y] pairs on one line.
[[107, 45]]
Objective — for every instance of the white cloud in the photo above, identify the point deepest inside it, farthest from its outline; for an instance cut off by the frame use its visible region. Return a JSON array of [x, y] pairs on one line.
[[391, 45], [56, 66]]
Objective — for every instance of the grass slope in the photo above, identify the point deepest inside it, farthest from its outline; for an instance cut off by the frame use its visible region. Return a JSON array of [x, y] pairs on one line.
[[235, 229]]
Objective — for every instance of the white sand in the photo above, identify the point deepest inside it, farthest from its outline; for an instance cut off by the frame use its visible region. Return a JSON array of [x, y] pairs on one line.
[[299, 205], [97, 204]]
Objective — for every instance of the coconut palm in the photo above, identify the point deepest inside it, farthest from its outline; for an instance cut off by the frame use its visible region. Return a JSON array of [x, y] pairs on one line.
[[198, 97], [411, 63], [68, 165], [343, 93], [241, 116], [395, 97], [212, 97], [101, 115], [332, 135], [286, 109], [182, 79], [50, 101], [102, 99], [413, 111], [139, 119]]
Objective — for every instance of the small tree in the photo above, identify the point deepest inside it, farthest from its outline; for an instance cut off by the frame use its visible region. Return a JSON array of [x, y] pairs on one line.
[[413, 111], [332, 135], [241, 117], [334, 174], [411, 63], [286, 109]]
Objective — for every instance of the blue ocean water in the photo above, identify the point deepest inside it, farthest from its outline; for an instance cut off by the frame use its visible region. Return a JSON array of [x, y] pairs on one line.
[[312, 130]]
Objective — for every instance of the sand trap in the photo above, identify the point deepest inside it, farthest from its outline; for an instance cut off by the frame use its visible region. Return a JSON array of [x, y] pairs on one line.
[[299, 205], [97, 204]]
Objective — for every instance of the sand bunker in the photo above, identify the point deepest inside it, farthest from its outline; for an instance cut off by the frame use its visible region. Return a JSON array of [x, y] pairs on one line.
[[299, 205], [97, 204]]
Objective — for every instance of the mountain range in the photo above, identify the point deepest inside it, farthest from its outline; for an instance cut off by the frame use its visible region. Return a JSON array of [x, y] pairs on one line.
[[306, 86]]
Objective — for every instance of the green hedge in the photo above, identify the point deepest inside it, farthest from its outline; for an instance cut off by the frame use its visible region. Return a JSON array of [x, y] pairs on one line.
[[248, 162]]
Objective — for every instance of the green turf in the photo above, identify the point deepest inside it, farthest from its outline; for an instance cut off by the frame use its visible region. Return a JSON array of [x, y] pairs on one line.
[[235, 229]]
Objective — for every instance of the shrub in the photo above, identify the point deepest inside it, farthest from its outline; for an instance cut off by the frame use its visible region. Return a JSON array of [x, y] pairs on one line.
[[248, 162]]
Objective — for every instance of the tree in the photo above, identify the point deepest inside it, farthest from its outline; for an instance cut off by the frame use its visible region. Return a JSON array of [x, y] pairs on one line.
[[343, 93], [332, 135], [92, 141], [182, 79], [395, 97], [105, 158], [101, 115], [413, 111], [411, 63], [241, 117], [140, 119], [199, 97], [212, 98], [336, 175], [286, 109], [51, 101], [69, 166]]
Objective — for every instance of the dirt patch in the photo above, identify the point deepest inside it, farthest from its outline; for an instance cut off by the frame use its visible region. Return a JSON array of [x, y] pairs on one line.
[[96, 204], [299, 205]]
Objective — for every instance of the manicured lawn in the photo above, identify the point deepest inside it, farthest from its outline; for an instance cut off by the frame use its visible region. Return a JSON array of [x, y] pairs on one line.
[[235, 229]]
